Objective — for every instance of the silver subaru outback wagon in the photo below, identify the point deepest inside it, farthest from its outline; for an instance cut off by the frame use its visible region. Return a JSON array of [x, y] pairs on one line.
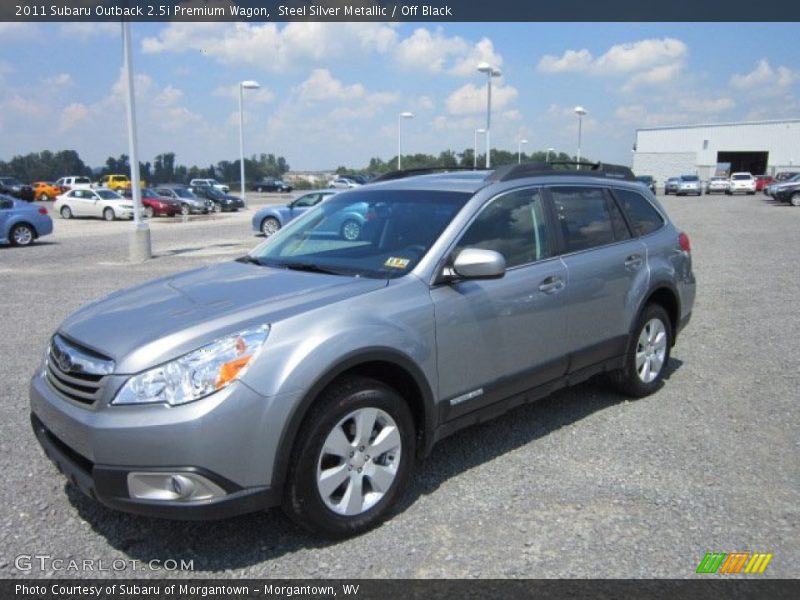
[[316, 371]]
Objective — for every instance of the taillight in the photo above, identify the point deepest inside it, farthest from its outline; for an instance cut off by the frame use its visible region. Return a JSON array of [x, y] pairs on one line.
[[42, 210], [683, 241]]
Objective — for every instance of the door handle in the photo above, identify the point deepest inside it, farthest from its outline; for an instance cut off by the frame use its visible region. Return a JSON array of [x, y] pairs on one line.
[[634, 261], [551, 285]]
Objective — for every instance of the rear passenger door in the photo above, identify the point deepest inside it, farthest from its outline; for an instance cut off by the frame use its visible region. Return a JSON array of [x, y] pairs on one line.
[[498, 337], [606, 272]]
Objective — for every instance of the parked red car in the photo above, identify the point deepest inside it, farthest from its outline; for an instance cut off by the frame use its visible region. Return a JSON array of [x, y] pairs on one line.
[[155, 205], [763, 181]]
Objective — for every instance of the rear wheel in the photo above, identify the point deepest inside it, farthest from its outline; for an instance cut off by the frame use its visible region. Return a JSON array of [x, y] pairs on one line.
[[108, 214], [149, 212], [185, 210], [269, 226], [22, 234], [66, 212], [353, 458], [351, 230], [44, 197], [647, 355]]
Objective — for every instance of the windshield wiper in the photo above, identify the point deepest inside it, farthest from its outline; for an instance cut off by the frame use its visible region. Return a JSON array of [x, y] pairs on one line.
[[252, 260], [308, 267]]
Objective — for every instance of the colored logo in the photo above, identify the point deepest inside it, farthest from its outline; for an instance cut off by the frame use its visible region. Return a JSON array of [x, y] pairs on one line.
[[735, 562]]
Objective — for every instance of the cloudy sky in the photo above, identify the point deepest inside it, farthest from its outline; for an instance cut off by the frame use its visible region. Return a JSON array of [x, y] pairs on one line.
[[331, 92]]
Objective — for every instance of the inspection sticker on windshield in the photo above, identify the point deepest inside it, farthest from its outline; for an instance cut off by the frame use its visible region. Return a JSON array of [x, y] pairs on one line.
[[396, 263]]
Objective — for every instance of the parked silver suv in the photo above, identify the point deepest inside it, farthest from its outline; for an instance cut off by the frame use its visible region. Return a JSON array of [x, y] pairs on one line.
[[313, 372]]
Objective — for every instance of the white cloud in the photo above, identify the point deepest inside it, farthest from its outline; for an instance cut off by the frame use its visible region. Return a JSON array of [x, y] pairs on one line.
[[651, 62], [764, 74], [271, 47], [169, 96], [322, 86], [470, 98], [436, 52], [58, 80], [571, 60], [72, 116]]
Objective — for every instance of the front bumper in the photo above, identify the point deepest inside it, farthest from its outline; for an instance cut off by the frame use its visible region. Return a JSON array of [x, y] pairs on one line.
[[220, 437]]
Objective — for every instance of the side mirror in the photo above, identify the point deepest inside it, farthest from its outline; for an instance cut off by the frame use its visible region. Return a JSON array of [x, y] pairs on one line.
[[477, 263]]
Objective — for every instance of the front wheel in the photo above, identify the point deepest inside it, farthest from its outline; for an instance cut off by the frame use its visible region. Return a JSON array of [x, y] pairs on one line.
[[44, 197], [351, 230], [647, 355], [269, 226], [66, 212], [149, 212], [353, 458], [185, 210], [795, 199], [108, 214]]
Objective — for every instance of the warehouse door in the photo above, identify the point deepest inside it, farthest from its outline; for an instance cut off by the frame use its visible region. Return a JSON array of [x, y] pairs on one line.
[[752, 162]]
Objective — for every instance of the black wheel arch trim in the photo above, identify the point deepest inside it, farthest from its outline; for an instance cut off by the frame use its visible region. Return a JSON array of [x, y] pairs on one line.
[[347, 362], [655, 287]]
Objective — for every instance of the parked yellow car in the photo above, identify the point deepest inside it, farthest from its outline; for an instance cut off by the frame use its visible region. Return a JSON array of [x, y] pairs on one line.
[[45, 190], [117, 182]]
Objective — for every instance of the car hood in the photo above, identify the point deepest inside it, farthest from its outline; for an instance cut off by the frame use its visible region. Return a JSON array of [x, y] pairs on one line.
[[148, 324]]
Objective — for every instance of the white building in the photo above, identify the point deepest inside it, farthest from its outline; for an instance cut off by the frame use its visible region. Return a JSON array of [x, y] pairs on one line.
[[760, 147]]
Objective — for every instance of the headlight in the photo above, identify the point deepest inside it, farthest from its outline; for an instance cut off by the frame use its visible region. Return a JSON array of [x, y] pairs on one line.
[[197, 374]]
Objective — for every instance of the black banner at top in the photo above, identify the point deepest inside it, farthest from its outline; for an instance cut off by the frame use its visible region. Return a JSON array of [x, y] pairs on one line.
[[261, 11]]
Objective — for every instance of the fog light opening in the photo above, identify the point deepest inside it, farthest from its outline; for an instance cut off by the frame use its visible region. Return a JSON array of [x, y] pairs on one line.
[[172, 487]]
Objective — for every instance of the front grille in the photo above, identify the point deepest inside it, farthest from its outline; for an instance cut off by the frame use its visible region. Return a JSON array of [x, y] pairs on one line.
[[84, 379]]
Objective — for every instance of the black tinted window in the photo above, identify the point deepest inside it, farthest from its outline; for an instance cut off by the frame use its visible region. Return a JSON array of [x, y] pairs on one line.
[[513, 225], [6, 203], [583, 217], [641, 215]]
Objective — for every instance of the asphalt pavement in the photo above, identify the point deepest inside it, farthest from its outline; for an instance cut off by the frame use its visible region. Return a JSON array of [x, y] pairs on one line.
[[582, 484]]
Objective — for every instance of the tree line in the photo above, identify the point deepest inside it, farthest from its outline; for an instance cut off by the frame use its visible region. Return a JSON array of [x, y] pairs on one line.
[[50, 166]]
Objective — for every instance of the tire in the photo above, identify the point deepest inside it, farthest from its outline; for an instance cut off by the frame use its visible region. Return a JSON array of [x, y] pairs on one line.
[[217, 208], [795, 199], [350, 230], [44, 197], [185, 210], [270, 226], [259, 189], [149, 212], [647, 355], [66, 212], [108, 214], [330, 440], [22, 234]]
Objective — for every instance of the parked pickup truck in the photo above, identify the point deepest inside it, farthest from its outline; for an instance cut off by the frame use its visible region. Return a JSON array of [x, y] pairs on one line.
[[117, 182]]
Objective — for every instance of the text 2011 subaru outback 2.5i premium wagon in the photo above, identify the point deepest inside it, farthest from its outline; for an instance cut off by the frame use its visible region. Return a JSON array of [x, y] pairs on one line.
[[316, 370]]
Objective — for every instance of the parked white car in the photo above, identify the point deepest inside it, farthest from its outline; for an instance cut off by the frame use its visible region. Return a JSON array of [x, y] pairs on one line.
[[742, 183], [73, 182], [100, 202], [210, 183], [717, 185], [343, 183]]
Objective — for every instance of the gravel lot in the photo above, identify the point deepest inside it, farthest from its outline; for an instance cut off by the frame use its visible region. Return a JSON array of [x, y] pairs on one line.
[[582, 484]]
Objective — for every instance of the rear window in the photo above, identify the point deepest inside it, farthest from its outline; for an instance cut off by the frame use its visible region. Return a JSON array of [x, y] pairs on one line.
[[82, 180], [742, 177], [690, 178], [583, 217], [642, 217]]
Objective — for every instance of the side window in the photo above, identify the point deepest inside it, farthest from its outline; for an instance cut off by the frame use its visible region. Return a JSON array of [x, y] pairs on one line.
[[583, 216], [6, 203], [621, 231], [641, 215], [513, 225]]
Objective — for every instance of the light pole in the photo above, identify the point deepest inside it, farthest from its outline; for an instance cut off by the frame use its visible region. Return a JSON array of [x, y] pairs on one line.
[[490, 71], [243, 85], [400, 117], [549, 150], [475, 150], [139, 248], [580, 111], [519, 150]]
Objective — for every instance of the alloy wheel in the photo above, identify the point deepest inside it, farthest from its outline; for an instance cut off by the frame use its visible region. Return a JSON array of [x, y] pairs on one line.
[[651, 350]]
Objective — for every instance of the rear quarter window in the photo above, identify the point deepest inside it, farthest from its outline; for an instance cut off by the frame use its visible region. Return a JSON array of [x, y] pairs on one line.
[[643, 218]]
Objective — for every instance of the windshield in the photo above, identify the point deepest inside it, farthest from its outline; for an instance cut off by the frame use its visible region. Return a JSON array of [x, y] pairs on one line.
[[690, 178], [108, 195], [740, 177], [183, 193], [11, 181], [379, 234]]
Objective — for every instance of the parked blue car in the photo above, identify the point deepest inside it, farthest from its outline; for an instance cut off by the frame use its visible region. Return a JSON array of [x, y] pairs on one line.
[[270, 219], [21, 223]]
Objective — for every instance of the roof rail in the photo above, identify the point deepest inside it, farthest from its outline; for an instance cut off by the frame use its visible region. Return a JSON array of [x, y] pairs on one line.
[[598, 169], [402, 174]]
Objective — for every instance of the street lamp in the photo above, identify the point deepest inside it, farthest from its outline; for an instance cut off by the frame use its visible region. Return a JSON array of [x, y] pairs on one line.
[[243, 85], [519, 150], [400, 117], [580, 111], [139, 248], [490, 71], [549, 150], [475, 150]]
